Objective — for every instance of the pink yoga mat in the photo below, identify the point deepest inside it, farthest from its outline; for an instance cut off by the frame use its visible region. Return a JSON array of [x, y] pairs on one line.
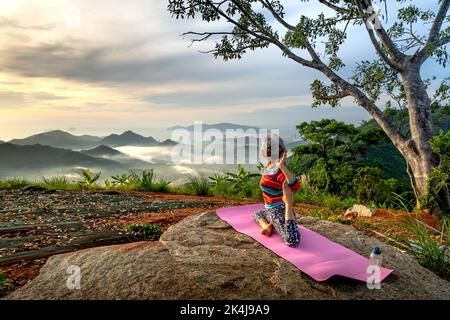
[[316, 255]]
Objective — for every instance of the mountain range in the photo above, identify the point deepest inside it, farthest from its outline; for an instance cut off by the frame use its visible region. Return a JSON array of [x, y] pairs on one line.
[[62, 139], [37, 157]]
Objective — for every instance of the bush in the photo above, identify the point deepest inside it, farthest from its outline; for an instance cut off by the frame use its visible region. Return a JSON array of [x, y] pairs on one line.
[[371, 187], [146, 231], [147, 180], [199, 185], [161, 186], [220, 185]]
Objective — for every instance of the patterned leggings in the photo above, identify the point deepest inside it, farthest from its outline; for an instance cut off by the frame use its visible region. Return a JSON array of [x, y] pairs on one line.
[[288, 230]]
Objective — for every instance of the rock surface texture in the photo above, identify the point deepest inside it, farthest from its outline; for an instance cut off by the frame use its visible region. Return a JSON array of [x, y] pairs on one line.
[[202, 257]]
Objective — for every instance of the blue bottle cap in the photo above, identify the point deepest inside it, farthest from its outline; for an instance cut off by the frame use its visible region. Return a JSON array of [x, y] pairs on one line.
[[376, 250]]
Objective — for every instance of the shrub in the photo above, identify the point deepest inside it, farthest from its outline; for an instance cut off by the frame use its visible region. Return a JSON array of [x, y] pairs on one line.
[[146, 231], [147, 180], [241, 179], [220, 185], [199, 185], [371, 187], [333, 202], [161, 186]]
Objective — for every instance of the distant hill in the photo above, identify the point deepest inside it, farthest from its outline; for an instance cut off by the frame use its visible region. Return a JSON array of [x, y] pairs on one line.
[[220, 126], [17, 158], [62, 139], [102, 152], [58, 139], [168, 143], [128, 138], [106, 152]]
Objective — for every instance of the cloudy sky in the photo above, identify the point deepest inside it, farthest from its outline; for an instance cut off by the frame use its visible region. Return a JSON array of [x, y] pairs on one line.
[[102, 66]]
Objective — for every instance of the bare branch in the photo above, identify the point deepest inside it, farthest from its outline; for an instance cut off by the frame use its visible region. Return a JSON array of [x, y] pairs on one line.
[[334, 7], [204, 35], [338, 96], [283, 22]]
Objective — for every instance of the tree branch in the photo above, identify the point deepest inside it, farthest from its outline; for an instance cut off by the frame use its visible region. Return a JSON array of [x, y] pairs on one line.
[[283, 22], [380, 51], [438, 21], [334, 7], [396, 55], [205, 35], [433, 41]]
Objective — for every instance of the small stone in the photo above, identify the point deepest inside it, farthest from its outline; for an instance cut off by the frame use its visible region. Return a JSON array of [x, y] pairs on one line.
[[360, 211]]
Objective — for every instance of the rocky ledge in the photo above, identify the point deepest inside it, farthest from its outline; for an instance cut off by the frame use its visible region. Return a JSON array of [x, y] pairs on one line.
[[202, 257]]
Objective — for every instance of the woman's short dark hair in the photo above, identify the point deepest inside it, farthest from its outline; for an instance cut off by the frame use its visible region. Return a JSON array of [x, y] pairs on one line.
[[267, 145]]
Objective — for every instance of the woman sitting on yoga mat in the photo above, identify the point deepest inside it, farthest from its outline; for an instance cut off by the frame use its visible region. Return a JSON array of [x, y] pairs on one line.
[[277, 184]]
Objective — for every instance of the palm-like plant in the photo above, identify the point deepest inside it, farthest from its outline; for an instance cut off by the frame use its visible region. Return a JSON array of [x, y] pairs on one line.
[[219, 179], [89, 178], [121, 180], [240, 179]]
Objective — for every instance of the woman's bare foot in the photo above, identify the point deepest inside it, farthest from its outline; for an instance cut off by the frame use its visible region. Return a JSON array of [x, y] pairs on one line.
[[267, 231]]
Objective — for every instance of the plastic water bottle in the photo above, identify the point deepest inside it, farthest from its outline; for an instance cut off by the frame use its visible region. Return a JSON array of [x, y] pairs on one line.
[[375, 258]]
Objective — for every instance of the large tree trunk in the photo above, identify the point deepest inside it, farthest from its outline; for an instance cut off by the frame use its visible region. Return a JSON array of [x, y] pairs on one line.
[[419, 155]]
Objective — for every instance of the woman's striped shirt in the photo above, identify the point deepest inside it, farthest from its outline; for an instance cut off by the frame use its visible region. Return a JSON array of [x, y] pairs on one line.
[[272, 186]]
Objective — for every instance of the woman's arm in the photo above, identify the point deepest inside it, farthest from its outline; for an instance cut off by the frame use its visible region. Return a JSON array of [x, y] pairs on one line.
[[290, 178], [288, 200]]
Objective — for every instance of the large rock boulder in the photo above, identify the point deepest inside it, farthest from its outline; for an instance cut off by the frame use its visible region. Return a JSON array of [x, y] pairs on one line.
[[202, 257]]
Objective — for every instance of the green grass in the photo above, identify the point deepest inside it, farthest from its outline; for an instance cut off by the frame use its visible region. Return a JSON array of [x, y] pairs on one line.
[[58, 183], [434, 252], [15, 184], [330, 216], [334, 203]]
